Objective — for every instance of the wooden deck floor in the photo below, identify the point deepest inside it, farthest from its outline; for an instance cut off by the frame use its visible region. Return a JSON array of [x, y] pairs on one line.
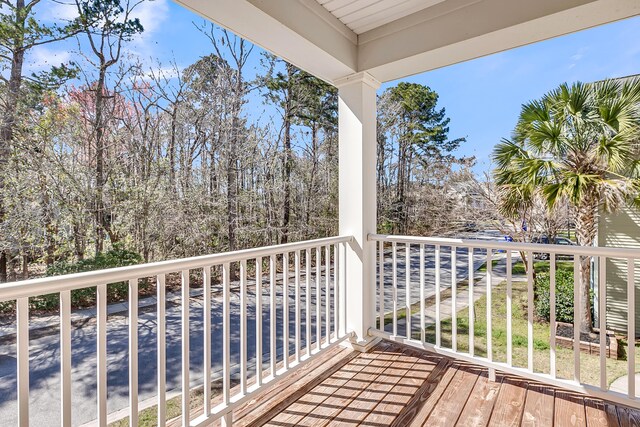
[[396, 385]]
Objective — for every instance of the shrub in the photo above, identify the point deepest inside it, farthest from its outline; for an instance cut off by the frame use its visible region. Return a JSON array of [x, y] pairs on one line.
[[564, 296], [116, 257]]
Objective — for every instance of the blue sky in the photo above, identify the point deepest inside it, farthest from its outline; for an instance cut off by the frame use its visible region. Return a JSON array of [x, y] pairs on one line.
[[482, 97]]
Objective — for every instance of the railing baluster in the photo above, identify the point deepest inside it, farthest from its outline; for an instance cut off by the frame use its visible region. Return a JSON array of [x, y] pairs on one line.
[[318, 300], [454, 308], [631, 328], [509, 310], [381, 284], [161, 337], [471, 304], [423, 331], [395, 288], [343, 288], [259, 321], [296, 260], [101, 348], [530, 311], [336, 291], [577, 312], [285, 310], [186, 398], [437, 278], [243, 327], [226, 343], [552, 314], [407, 277], [489, 280], [307, 261], [206, 340], [272, 315], [327, 293], [602, 317], [133, 352], [22, 343], [65, 358]]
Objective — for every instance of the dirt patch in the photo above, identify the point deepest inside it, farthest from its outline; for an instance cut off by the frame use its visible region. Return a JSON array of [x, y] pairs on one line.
[[565, 330]]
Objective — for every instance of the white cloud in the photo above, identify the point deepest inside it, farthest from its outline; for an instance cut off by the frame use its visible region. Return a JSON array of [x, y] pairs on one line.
[[43, 57], [577, 57], [152, 14], [55, 11]]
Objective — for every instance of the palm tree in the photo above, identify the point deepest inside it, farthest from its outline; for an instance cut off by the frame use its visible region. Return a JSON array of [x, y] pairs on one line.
[[578, 143]]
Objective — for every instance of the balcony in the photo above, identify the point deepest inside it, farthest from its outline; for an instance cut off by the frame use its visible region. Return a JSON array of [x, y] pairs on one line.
[[292, 356]]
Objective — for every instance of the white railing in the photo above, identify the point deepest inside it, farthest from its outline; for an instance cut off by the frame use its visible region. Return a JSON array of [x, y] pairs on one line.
[[410, 289], [305, 282]]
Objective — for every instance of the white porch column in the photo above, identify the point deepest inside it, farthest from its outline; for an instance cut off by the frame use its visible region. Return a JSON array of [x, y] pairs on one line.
[[357, 154]]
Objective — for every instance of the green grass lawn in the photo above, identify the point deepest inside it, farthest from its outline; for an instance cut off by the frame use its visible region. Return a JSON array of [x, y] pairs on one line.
[[590, 365], [483, 267], [149, 417], [541, 267]]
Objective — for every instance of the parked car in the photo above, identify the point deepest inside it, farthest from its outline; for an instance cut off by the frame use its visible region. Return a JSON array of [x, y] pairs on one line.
[[557, 241]]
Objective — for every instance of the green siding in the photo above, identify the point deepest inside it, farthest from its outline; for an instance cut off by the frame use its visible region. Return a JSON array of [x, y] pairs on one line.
[[620, 230]]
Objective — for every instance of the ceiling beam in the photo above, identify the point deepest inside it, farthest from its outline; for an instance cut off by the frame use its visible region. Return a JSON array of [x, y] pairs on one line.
[[459, 30]]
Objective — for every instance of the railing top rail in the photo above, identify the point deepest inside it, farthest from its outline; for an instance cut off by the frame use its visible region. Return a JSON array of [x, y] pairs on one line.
[[626, 253], [54, 284]]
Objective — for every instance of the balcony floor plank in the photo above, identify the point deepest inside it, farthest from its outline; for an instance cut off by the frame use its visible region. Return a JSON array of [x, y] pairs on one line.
[[628, 417], [454, 399], [569, 410], [397, 385], [538, 408], [510, 403], [600, 414], [477, 411]]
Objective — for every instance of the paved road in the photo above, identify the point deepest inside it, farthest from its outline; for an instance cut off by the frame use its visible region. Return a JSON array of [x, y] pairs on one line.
[[44, 351]]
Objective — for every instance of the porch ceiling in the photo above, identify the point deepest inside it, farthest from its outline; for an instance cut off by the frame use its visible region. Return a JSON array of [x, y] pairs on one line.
[[391, 39]]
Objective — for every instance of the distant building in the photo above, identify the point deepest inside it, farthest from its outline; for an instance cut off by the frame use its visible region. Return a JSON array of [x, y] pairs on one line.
[[621, 230]]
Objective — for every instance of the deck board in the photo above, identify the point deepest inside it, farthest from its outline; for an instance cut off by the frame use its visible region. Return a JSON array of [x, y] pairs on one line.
[[510, 403], [370, 397], [396, 385], [346, 396], [453, 400], [569, 410], [599, 414], [299, 410], [477, 411], [423, 402], [628, 417], [409, 382], [538, 407]]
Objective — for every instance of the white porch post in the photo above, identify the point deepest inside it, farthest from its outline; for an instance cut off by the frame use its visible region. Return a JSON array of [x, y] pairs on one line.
[[357, 154]]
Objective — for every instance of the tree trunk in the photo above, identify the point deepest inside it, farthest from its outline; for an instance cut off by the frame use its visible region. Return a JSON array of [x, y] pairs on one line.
[[3, 266], [172, 149], [100, 176], [232, 163], [25, 267], [586, 223], [286, 208], [10, 112], [78, 240], [312, 175]]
